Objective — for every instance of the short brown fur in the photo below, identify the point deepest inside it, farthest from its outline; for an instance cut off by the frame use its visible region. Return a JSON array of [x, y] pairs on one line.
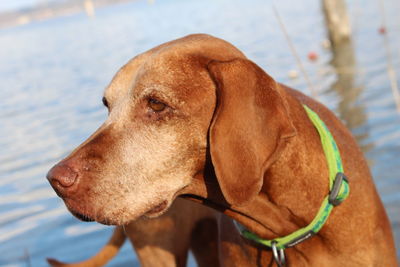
[[240, 143]]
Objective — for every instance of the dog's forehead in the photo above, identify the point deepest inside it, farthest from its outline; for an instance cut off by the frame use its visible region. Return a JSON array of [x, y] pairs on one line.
[[171, 71], [173, 75]]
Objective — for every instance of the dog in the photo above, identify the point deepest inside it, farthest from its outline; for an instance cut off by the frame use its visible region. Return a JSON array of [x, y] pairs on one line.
[[194, 118]]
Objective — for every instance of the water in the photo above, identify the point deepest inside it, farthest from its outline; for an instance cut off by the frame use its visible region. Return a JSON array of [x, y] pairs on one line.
[[53, 73]]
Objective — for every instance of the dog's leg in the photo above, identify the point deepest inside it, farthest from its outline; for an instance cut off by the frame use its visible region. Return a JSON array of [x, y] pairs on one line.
[[204, 243]]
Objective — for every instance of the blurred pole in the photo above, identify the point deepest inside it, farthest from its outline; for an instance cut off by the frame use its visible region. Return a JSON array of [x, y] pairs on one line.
[[337, 20], [351, 110]]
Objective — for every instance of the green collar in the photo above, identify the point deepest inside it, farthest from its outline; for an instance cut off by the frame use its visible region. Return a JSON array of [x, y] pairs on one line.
[[338, 187]]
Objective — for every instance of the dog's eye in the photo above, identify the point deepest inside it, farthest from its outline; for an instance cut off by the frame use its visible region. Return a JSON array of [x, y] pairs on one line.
[[105, 102], [156, 105]]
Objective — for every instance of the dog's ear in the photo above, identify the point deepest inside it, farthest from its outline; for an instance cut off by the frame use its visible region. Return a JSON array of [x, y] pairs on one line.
[[249, 128]]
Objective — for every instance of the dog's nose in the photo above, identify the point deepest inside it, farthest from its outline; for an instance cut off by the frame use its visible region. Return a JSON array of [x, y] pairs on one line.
[[61, 178]]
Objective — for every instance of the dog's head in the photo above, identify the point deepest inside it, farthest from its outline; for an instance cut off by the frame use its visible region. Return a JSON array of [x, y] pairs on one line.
[[167, 108]]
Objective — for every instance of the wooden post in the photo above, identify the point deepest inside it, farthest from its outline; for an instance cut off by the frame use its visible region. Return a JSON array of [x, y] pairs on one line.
[[343, 61], [337, 21], [89, 8]]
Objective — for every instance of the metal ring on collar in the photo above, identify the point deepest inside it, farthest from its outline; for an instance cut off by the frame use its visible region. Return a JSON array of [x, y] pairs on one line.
[[279, 255]]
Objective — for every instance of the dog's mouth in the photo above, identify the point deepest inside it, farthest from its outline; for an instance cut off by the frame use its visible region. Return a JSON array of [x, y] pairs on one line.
[[87, 218], [157, 210], [81, 216], [80, 213], [74, 210]]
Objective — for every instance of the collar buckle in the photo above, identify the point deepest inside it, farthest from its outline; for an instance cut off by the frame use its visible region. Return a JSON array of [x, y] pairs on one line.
[[279, 255], [339, 189]]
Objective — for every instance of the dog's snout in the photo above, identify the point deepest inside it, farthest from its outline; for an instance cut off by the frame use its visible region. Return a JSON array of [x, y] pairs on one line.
[[62, 178]]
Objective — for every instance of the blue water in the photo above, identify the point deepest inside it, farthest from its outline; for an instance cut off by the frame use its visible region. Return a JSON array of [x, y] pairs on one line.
[[53, 72]]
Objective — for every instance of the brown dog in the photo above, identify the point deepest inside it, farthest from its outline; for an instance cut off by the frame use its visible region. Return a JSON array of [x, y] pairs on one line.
[[195, 118]]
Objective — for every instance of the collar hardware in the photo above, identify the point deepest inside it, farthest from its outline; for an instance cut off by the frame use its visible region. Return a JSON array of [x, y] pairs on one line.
[[279, 255], [335, 198], [338, 191]]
